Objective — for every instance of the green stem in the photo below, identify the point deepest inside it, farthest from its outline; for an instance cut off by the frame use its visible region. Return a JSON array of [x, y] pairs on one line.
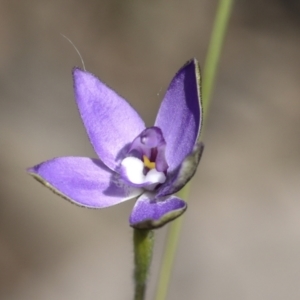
[[214, 50], [210, 70], [143, 241]]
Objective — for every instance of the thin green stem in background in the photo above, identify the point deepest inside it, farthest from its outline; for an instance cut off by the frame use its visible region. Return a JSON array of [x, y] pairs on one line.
[[210, 70], [143, 241], [214, 50]]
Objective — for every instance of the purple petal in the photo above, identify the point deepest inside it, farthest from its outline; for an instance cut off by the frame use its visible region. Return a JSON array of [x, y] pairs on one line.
[[177, 179], [111, 123], [150, 213], [179, 116], [83, 181]]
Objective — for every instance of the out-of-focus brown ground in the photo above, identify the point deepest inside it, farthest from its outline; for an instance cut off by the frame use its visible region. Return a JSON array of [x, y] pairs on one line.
[[241, 234]]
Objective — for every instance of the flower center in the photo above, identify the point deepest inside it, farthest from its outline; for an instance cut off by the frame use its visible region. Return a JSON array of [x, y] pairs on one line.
[[145, 164]]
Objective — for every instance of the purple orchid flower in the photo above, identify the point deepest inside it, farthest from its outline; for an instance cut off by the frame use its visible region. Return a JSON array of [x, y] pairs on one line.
[[149, 163]]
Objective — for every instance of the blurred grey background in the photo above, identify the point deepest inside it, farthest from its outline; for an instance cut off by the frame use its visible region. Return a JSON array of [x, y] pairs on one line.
[[241, 233]]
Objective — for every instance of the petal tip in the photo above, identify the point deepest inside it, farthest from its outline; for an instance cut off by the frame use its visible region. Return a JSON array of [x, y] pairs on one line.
[[152, 215], [30, 170], [193, 61], [77, 69], [155, 224], [33, 170], [78, 73]]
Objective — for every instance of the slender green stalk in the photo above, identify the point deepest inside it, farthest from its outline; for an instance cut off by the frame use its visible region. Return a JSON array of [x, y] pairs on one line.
[[214, 50], [210, 70], [143, 241]]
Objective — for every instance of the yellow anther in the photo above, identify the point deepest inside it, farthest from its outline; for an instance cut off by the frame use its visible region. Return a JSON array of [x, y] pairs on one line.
[[148, 163]]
